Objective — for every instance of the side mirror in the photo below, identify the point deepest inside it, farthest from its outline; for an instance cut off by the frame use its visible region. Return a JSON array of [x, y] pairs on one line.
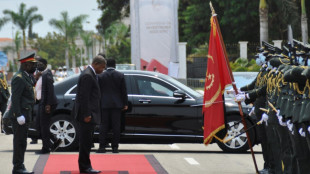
[[179, 94]]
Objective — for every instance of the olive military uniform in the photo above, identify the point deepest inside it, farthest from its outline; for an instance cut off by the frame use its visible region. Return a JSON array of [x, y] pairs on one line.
[[260, 102], [22, 104], [22, 88]]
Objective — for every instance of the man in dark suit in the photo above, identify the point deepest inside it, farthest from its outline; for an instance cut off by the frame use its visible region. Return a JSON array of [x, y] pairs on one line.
[[87, 110], [21, 110], [47, 101], [113, 100]]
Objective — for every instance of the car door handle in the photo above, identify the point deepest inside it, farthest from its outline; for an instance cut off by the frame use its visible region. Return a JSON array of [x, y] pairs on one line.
[[144, 101]]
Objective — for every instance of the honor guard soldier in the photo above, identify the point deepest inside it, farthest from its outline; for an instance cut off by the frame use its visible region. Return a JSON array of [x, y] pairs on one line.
[[21, 110], [305, 109], [260, 101], [301, 151]]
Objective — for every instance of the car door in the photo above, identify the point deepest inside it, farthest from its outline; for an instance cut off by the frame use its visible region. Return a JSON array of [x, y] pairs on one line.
[[157, 112], [126, 127]]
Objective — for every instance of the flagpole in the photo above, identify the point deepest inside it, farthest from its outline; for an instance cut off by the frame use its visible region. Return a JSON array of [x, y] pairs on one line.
[[234, 85]]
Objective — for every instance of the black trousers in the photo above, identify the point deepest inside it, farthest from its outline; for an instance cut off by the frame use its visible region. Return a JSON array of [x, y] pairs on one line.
[[111, 118], [301, 149], [262, 136], [3, 107], [86, 139], [20, 133], [43, 126]]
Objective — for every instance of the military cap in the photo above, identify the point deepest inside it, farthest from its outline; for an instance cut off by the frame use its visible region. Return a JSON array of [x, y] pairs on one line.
[[276, 62], [288, 77], [306, 73], [28, 58], [300, 53], [296, 73]]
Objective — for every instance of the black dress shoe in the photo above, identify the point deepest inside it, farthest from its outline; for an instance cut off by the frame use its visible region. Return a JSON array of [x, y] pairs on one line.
[[21, 171], [56, 145], [265, 171], [101, 150], [114, 150], [34, 141], [90, 170], [107, 145], [43, 151]]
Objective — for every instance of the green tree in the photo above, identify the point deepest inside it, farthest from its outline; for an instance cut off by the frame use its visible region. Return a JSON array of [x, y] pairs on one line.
[[17, 43], [117, 41], [3, 21], [87, 38], [53, 46], [24, 18], [69, 28], [281, 13], [112, 11]]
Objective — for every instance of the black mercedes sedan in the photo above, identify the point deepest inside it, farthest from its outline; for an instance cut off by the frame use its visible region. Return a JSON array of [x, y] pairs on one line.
[[161, 110]]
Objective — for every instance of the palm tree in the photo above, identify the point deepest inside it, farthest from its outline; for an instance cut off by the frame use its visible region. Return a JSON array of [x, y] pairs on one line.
[[3, 21], [69, 28], [99, 38], [263, 20], [304, 23], [17, 42], [24, 18], [87, 38]]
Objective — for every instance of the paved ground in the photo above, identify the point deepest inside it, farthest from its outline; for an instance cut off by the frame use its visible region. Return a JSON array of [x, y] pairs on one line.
[[175, 158]]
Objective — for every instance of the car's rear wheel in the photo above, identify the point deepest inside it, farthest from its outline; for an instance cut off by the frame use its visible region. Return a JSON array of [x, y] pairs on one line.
[[235, 127], [65, 128]]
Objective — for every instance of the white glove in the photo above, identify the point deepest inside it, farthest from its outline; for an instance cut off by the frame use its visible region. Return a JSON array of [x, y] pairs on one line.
[[21, 120], [302, 133], [252, 111], [278, 113], [264, 118], [290, 125], [280, 121], [240, 97], [232, 91]]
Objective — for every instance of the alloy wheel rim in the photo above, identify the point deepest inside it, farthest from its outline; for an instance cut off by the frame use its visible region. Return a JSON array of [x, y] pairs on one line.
[[64, 130]]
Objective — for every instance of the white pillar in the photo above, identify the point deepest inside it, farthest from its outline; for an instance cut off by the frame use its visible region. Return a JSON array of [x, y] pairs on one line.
[[277, 43], [243, 49], [182, 60]]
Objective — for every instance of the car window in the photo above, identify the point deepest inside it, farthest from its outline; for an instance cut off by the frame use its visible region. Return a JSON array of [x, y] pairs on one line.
[[151, 86], [73, 91]]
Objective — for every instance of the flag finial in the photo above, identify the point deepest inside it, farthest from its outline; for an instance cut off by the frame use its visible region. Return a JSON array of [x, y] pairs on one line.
[[212, 9]]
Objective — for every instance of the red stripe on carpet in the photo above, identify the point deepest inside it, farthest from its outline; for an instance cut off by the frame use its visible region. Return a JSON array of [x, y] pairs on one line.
[[107, 163]]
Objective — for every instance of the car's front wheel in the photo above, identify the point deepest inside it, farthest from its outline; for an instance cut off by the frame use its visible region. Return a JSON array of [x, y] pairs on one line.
[[237, 143], [65, 128]]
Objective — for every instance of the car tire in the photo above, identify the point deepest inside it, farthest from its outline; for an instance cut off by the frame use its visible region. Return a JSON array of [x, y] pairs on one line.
[[65, 128], [240, 143]]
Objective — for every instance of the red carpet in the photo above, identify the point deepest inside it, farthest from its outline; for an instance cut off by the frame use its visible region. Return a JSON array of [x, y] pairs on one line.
[[107, 163]]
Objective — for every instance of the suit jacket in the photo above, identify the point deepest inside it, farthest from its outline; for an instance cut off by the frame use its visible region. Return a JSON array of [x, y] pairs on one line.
[[113, 89], [48, 96], [87, 101], [22, 95]]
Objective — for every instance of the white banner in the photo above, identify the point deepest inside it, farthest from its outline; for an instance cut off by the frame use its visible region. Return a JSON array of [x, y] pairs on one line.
[[154, 34]]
